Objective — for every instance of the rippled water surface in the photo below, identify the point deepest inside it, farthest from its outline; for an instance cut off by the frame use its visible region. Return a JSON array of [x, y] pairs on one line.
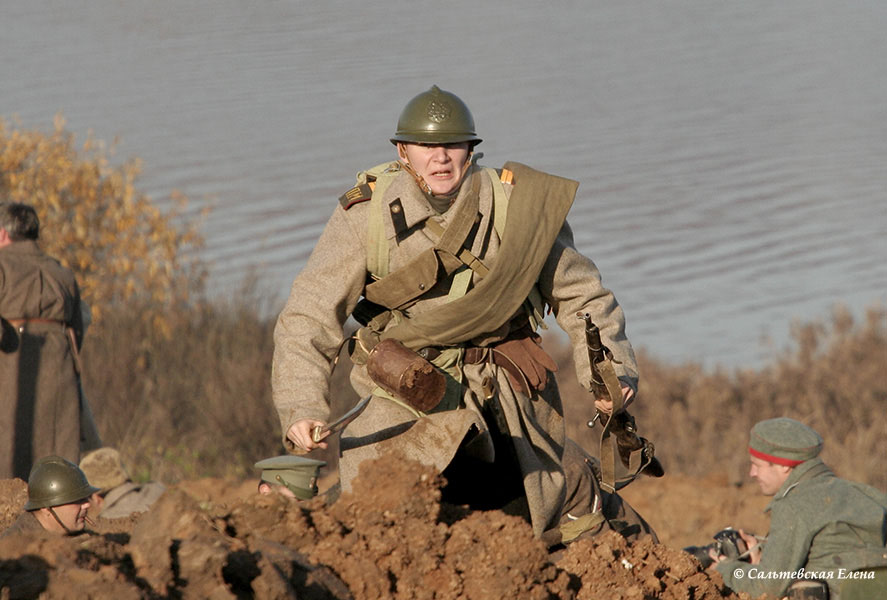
[[732, 157]]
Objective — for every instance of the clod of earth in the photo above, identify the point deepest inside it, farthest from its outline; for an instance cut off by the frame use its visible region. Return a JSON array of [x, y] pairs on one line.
[[391, 537]]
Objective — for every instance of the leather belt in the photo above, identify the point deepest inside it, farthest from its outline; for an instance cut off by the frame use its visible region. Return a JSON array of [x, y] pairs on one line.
[[19, 323], [473, 355], [476, 355]]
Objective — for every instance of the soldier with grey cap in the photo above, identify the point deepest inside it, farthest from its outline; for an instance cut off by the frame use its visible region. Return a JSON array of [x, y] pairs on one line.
[[443, 260], [291, 476], [58, 499], [821, 526]]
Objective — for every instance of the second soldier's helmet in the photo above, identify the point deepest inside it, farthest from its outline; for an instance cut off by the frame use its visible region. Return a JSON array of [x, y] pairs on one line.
[[436, 117], [55, 481]]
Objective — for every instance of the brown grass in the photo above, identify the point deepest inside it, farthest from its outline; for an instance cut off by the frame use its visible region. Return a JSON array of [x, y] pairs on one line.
[[200, 403]]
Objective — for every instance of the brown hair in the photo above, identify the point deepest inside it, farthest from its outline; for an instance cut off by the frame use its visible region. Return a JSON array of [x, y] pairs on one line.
[[19, 220]]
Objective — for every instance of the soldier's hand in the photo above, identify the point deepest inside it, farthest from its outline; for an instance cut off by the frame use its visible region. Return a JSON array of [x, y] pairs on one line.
[[605, 405], [754, 550], [300, 434], [716, 558]]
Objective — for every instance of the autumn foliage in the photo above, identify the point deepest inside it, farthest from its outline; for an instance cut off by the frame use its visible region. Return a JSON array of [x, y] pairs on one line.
[[121, 246]]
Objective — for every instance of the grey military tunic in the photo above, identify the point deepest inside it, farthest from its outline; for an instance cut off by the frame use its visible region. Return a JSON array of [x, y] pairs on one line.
[[820, 524]]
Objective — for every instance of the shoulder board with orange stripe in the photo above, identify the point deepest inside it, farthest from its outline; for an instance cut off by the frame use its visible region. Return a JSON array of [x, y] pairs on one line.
[[357, 194], [506, 176]]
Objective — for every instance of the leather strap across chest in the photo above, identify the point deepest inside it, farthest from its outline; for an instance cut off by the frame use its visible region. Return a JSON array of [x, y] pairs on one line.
[[438, 262], [537, 210]]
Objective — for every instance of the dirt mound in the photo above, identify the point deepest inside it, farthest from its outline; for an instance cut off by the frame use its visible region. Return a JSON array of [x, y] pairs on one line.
[[13, 495], [688, 511], [609, 568], [390, 538]]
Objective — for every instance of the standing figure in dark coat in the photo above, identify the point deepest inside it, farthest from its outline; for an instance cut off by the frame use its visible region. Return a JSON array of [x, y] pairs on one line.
[[42, 409]]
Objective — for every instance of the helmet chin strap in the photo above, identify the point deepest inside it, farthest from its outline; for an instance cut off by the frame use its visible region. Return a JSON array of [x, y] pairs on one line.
[[420, 181], [59, 521]]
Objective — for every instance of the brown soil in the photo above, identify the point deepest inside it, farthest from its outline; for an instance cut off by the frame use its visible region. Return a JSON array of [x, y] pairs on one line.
[[390, 538]]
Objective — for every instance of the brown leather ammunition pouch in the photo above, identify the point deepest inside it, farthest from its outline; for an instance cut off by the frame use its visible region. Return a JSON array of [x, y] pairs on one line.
[[521, 356], [406, 375]]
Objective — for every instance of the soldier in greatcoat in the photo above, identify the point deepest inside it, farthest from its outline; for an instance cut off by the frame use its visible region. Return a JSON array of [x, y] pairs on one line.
[[457, 263], [42, 409]]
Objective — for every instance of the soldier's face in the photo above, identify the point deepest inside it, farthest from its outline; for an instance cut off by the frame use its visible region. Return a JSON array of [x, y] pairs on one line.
[[72, 515], [441, 166], [769, 476], [266, 489], [96, 501]]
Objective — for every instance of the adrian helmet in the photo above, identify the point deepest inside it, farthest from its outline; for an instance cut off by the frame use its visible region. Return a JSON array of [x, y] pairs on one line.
[[55, 481], [436, 117]]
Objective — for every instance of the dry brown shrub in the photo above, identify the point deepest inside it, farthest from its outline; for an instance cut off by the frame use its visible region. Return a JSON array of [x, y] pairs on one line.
[[194, 404], [121, 246]]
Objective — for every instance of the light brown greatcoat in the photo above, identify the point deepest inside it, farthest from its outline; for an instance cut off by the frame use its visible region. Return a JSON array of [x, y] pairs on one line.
[[40, 399], [310, 328]]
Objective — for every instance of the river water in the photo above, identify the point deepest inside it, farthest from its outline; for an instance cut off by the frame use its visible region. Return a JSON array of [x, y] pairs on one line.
[[732, 156]]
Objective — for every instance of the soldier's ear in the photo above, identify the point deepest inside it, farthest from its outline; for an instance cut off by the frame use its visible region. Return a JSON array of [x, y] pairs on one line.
[[402, 153]]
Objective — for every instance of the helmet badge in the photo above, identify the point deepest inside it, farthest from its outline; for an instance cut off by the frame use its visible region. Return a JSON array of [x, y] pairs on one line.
[[439, 110]]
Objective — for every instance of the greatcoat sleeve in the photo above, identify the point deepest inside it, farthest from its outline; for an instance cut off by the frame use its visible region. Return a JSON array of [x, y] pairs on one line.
[[785, 551], [571, 283], [310, 326]]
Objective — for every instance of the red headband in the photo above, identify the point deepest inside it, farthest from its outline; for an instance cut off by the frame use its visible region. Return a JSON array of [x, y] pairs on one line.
[[778, 460]]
